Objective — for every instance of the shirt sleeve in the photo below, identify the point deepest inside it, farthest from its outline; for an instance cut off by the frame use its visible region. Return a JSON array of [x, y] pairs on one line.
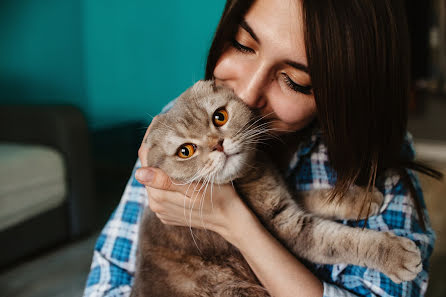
[[113, 265], [114, 257], [397, 215]]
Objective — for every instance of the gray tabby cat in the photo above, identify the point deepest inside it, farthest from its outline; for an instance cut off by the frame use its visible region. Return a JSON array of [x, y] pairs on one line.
[[208, 135]]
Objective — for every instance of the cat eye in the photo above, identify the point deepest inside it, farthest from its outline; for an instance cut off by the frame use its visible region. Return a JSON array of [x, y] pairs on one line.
[[186, 150], [220, 117]]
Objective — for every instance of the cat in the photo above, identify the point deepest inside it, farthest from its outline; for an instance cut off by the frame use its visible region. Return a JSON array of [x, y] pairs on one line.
[[210, 134]]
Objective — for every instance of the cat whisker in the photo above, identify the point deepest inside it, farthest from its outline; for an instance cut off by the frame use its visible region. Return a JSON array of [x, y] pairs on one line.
[[165, 125], [190, 216], [191, 231], [256, 121], [260, 130], [232, 183], [258, 136], [198, 174], [248, 132], [142, 128], [255, 142], [256, 139], [151, 116], [212, 191], [248, 165], [265, 128], [203, 196]]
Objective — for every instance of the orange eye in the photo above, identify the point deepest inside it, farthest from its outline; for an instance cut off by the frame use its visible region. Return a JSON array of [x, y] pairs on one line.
[[186, 150], [220, 117]]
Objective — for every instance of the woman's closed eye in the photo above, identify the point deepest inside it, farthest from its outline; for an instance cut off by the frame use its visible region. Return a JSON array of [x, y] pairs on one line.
[[241, 48], [296, 87], [290, 84]]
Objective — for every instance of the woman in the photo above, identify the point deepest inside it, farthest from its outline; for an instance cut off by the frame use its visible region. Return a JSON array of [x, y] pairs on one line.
[[335, 69]]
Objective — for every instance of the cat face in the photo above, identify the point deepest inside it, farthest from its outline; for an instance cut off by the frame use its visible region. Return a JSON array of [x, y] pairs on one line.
[[209, 134]]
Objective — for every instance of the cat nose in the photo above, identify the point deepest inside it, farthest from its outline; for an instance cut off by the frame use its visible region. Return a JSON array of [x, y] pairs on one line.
[[218, 146]]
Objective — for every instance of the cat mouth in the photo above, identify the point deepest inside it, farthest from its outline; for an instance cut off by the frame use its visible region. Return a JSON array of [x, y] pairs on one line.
[[230, 157], [231, 160], [231, 166]]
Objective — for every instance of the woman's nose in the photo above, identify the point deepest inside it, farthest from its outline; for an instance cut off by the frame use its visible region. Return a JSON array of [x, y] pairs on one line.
[[251, 87]]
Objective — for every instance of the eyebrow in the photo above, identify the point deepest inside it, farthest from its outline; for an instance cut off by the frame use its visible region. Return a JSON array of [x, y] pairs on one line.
[[297, 65], [248, 29]]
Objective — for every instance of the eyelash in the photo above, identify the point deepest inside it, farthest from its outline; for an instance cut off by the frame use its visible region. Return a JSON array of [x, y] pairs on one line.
[[296, 87], [240, 47], [289, 82]]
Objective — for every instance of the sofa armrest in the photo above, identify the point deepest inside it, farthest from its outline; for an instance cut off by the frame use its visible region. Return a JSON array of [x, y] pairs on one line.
[[63, 128]]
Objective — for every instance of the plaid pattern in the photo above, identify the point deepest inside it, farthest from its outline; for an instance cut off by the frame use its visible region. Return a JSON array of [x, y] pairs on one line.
[[114, 255]]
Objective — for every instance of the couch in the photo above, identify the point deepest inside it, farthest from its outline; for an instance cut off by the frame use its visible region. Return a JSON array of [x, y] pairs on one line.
[[46, 179]]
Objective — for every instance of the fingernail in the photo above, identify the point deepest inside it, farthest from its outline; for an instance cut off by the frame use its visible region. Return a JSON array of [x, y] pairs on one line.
[[144, 175]]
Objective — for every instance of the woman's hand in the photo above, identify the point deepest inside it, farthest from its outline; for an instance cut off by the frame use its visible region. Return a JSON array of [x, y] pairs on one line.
[[194, 205], [214, 207]]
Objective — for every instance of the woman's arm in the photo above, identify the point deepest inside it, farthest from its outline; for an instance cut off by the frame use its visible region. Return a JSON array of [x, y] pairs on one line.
[[276, 268]]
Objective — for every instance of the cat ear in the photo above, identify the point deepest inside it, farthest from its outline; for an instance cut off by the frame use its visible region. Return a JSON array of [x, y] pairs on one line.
[[153, 154], [152, 132], [205, 86]]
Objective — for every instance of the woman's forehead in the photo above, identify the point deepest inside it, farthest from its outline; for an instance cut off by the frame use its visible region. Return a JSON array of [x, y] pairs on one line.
[[278, 24]]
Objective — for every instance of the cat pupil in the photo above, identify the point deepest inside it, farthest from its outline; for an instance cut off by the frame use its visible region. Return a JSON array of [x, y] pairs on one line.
[[220, 117], [185, 151]]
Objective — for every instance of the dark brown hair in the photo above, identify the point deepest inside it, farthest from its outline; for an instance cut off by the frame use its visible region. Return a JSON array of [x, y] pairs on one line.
[[359, 64]]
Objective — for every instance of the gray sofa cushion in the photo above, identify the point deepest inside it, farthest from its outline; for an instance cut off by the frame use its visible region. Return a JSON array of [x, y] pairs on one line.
[[32, 181]]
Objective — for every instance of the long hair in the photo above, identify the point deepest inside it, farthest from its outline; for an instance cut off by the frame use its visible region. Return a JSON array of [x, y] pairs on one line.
[[232, 16], [359, 64]]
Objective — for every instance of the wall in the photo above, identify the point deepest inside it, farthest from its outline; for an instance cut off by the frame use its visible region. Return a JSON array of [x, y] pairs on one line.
[[41, 53], [118, 61]]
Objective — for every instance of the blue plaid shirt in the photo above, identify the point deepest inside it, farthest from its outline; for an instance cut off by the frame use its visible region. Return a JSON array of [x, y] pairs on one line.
[[114, 255]]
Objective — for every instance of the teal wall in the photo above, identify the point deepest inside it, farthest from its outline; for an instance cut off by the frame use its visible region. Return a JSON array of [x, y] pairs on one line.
[[117, 60], [41, 52]]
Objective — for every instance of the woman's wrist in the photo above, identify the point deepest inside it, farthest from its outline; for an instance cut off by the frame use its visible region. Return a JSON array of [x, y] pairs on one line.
[[276, 268], [235, 221]]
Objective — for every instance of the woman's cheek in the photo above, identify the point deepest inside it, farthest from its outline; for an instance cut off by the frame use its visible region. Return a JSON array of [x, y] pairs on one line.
[[230, 66], [295, 110]]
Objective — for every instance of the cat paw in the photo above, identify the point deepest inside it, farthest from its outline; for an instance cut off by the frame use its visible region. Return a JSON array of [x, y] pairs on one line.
[[401, 257]]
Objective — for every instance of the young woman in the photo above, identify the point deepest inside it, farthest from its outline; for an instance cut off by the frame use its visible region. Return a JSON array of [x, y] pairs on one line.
[[335, 70]]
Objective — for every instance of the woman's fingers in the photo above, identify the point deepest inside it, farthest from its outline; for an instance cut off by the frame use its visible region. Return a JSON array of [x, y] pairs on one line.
[[156, 178], [174, 208], [178, 199]]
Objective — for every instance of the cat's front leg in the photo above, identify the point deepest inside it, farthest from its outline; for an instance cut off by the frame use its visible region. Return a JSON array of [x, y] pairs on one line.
[[327, 242], [324, 241], [352, 206]]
